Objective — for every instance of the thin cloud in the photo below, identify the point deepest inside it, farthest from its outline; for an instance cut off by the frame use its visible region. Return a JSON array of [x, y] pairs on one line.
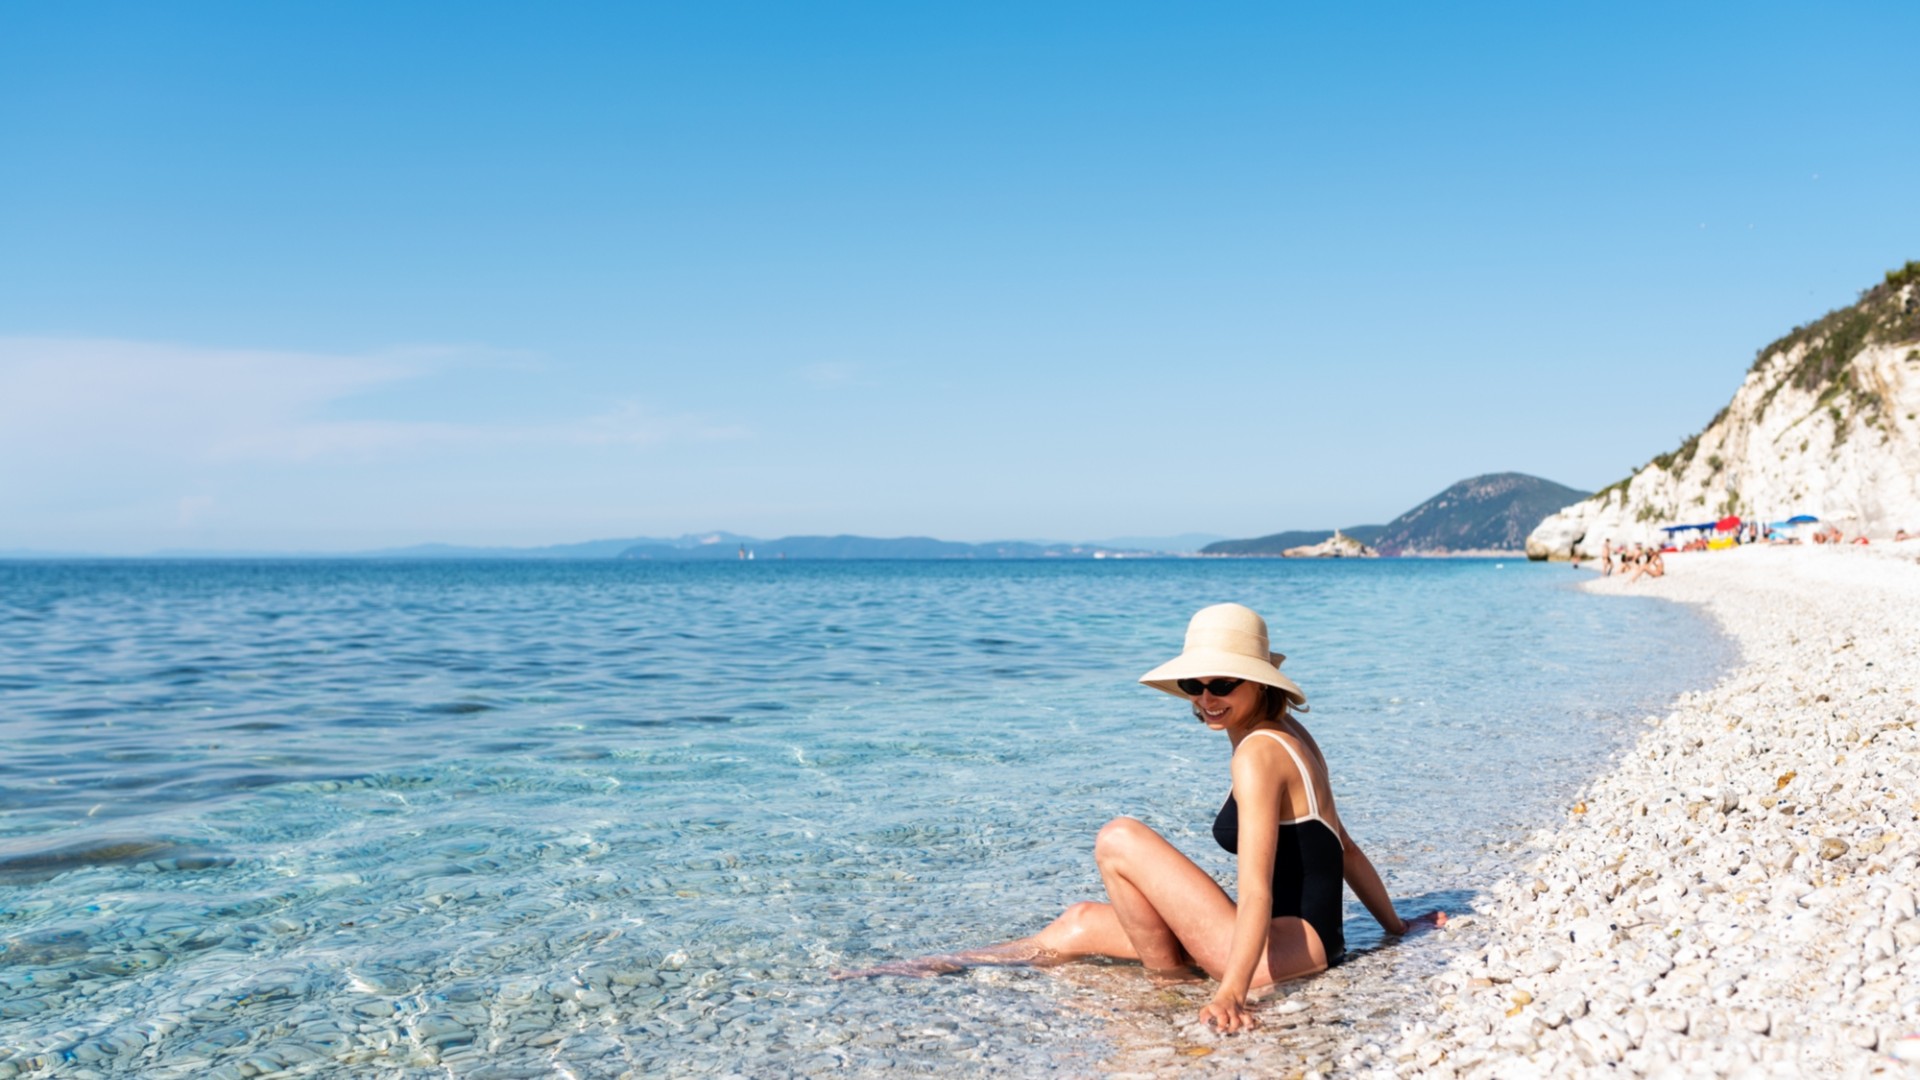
[[89, 396], [93, 398]]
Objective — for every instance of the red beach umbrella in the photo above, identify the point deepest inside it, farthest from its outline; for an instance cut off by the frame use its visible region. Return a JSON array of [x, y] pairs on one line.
[[1727, 524]]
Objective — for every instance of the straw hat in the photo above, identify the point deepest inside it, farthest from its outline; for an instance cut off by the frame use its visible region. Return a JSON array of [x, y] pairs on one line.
[[1225, 639]]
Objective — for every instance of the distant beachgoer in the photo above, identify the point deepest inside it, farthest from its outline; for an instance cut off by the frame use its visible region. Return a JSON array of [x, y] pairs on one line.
[[1162, 909], [1902, 535], [1650, 563], [1606, 558]]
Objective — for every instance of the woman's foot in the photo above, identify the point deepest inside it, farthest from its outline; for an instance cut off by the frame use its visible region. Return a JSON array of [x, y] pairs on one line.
[[919, 967], [1011, 954]]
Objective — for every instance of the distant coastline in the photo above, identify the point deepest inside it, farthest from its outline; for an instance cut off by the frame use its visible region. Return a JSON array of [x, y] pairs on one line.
[[756, 555], [1486, 516], [714, 546], [1477, 553]]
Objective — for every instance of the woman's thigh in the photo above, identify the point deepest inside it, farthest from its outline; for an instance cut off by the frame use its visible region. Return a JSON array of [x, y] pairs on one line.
[[1183, 895], [1199, 912], [1294, 949]]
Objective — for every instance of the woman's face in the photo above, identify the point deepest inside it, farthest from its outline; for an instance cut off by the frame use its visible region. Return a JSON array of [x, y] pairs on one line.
[[1238, 709]]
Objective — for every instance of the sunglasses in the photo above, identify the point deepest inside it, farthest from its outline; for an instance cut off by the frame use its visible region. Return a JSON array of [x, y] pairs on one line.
[[1217, 687]]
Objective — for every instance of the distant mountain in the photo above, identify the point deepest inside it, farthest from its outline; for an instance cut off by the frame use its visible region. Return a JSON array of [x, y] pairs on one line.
[[716, 546], [590, 549], [1487, 513], [868, 547], [1494, 512], [1281, 541]]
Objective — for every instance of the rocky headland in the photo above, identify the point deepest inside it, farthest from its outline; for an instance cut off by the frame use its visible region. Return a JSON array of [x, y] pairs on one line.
[[1827, 422], [1737, 897], [1337, 546]]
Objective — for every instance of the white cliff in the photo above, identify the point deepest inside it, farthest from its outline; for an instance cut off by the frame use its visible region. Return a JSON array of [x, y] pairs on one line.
[[1337, 546], [1824, 424]]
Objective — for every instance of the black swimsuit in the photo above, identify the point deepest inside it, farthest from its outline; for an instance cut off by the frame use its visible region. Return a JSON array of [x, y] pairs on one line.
[[1307, 865]]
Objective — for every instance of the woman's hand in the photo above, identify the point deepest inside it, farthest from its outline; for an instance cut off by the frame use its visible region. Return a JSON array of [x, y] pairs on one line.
[[1419, 924], [1228, 1013]]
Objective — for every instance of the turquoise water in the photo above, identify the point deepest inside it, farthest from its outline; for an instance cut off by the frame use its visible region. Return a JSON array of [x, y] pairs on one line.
[[502, 819]]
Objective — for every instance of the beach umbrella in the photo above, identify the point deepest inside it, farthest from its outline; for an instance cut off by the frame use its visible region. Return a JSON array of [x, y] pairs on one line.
[[1802, 519], [1727, 524]]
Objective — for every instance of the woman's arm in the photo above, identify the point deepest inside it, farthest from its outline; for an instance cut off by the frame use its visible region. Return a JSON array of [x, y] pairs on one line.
[[1358, 869], [1258, 774], [1366, 884]]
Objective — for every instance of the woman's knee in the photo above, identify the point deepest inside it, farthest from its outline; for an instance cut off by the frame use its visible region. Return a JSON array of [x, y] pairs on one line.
[[1118, 838], [1082, 915], [1069, 932]]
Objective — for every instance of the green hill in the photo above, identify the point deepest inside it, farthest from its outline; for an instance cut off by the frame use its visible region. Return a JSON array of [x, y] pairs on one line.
[[1494, 512]]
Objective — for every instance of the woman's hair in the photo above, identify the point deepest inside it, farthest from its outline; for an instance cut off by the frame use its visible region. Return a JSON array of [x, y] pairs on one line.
[[1277, 703]]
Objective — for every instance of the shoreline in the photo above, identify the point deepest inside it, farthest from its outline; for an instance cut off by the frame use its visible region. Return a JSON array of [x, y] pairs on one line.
[[1736, 894]]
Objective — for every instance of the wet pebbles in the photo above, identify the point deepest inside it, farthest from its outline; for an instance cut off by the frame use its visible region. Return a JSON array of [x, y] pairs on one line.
[[1737, 897]]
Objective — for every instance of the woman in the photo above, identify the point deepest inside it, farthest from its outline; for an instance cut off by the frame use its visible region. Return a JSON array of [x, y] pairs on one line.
[[1166, 912]]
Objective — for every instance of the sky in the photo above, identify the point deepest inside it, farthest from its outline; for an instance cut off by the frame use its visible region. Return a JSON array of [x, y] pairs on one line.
[[337, 276]]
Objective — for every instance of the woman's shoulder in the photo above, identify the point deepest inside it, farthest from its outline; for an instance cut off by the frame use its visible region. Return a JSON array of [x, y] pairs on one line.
[[1305, 737], [1278, 745], [1289, 749]]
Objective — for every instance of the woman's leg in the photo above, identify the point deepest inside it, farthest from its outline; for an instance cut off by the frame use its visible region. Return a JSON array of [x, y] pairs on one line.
[[1152, 886], [1174, 914], [1084, 929], [1165, 912]]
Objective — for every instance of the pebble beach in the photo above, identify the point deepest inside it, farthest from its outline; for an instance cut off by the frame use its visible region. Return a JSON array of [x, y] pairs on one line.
[[1736, 897]]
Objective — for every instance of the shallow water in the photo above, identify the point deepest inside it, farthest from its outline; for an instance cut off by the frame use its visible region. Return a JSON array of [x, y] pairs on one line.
[[501, 818]]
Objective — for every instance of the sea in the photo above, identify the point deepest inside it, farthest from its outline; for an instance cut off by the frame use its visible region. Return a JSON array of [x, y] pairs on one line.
[[519, 819]]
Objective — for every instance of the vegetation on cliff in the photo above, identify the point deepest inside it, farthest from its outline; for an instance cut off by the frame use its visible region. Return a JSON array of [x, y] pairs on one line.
[[1819, 355], [1824, 423]]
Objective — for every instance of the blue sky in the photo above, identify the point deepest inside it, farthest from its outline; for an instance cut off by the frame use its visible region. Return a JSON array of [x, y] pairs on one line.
[[335, 276]]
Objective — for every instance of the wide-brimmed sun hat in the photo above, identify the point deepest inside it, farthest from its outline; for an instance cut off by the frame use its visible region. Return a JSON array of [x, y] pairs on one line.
[[1225, 639]]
